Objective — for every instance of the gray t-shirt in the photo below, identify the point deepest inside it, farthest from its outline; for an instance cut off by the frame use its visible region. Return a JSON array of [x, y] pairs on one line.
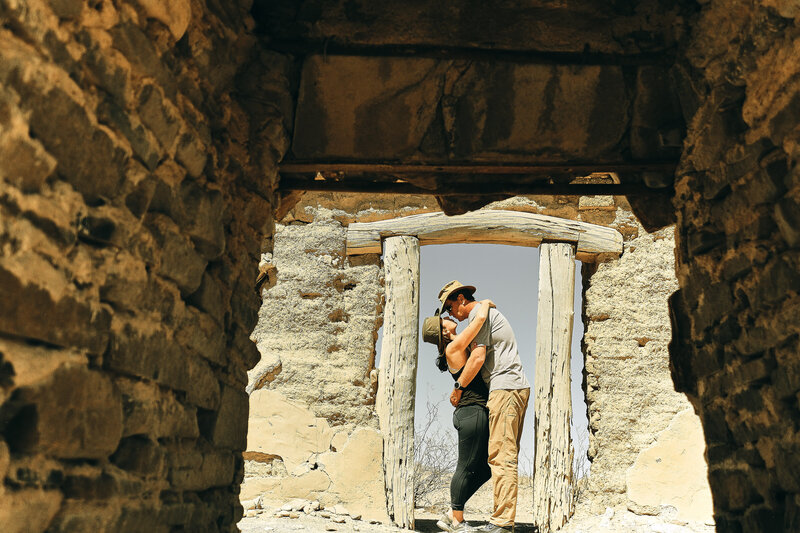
[[503, 367]]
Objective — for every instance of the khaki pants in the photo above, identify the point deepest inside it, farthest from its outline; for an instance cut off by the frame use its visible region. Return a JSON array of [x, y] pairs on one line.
[[506, 415]]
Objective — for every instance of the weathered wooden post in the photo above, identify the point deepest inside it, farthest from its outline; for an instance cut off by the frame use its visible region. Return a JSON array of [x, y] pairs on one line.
[[398, 370], [553, 502]]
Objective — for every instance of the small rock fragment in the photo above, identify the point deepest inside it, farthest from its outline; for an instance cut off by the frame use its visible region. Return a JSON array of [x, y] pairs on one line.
[[339, 509]]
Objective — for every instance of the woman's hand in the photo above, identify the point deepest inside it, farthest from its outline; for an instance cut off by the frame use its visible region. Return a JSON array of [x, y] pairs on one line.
[[488, 302], [455, 397]]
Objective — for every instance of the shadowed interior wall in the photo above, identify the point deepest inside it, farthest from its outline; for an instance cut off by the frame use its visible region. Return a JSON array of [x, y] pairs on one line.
[[131, 223]]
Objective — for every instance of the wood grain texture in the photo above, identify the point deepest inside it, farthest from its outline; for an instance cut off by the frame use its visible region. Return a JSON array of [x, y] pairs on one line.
[[398, 371], [553, 501], [593, 242]]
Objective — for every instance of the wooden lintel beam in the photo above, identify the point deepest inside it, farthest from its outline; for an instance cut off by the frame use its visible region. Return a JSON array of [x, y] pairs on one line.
[[338, 169], [593, 242], [329, 47], [494, 187]]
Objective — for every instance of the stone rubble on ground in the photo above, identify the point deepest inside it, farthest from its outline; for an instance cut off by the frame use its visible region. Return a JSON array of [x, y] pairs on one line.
[[297, 507]]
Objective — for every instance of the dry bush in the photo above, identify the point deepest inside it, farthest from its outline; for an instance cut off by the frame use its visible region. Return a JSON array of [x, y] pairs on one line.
[[580, 463], [435, 458]]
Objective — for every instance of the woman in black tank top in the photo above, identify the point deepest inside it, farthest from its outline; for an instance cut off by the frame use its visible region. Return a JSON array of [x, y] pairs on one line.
[[471, 419]]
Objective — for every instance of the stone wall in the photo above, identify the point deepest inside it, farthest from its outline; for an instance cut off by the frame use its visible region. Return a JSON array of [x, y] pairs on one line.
[[737, 314], [131, 218], [633, 409]]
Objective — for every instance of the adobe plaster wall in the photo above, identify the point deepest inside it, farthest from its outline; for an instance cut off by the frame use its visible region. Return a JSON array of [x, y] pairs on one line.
[[325, 367]]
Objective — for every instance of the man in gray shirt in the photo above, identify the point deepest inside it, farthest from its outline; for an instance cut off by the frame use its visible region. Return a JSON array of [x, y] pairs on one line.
[[495, 355]]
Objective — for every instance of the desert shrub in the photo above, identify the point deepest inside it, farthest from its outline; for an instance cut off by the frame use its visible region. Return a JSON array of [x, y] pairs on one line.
[[435, 457]]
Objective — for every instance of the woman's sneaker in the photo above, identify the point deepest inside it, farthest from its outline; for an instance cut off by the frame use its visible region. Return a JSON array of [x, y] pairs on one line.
[[446, 524]]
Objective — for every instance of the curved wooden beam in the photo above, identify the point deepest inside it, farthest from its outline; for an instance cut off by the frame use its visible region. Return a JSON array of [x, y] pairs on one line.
[[593, 243]]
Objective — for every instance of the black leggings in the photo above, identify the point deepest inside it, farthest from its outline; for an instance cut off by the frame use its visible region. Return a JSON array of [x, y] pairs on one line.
[[472, 470]]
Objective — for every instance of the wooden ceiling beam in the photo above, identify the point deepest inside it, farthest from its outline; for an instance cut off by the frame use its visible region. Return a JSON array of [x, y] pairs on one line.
[[333, 168], [329, 47], [495, 187]]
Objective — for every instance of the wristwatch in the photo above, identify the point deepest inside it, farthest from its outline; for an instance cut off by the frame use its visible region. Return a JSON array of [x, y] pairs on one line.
[[458, 386]]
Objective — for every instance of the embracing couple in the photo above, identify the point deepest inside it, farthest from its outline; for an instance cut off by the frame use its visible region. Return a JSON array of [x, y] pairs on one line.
[[490, 395]]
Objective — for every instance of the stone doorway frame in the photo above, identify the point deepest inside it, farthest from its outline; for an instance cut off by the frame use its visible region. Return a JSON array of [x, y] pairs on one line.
[[561, 241]]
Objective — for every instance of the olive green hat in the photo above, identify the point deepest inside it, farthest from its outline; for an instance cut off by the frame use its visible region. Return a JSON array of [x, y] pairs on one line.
[[432, 331], [450, 288]]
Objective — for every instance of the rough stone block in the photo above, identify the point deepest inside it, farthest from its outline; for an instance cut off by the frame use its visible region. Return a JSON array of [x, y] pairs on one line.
[[92, 483], [28, 510], [787, 216], [178, 259], [715, 426], [763, 519], [150, 353], [135, 517], [76, 515], [202, 335], [787, 459], [31, 311], [792, 515], [158, 115], [23, 161], [140, 455], [4, 459], [227, 427], [192, 154], [175, 15], [715, 301], [778, 277], [67, 9], [732, 490], [149, 410], [137, 47], [77, 413], [210, 297], [192, 469], [23, 364], [95, 166], [203, 212], [701, 242], [143, 142]]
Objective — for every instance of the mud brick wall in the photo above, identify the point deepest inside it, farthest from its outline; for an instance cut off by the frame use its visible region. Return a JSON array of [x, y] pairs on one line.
[[737, 314], [131, 223], [318, 325], [629, 391]]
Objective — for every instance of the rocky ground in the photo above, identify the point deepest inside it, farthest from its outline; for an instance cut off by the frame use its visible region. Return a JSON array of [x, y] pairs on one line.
[[290, 516]]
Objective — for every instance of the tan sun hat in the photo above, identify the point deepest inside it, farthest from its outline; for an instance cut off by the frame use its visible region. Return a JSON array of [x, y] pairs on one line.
[[432, 331], [449, 289]]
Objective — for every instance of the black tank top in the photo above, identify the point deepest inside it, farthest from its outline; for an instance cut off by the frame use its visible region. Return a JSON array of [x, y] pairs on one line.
[[476, 393]]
